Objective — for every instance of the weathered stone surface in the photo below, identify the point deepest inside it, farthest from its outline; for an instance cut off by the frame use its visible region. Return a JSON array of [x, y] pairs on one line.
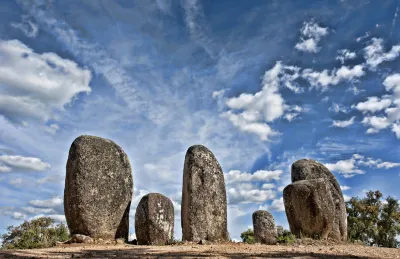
[[98, 189], [77, 238], [154, 220], [264, 227], [204, 212], [307, 169], [309, 207]]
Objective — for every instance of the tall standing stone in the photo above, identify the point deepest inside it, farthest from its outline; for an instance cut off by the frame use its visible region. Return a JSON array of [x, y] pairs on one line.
[[204, 207], [308, 169], [264, 227], [154, 220], [98, 189]]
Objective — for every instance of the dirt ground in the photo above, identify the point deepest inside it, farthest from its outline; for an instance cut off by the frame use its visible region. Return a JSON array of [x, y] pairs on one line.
[[233, 250]]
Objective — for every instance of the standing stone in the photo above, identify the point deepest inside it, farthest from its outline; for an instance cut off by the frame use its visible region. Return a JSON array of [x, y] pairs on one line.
[[309, 207], [307, 169], [98, 189], [204, 212], [264, 227], [154, 220]]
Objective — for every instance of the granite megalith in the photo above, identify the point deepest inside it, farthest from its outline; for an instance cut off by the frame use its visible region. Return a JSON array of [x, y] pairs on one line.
[[264, 227], [154, 220], [204, 206], [98, 189], [308, 169]]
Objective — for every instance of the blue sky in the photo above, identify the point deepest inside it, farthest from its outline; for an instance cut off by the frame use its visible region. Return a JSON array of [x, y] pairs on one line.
[[260, 83]]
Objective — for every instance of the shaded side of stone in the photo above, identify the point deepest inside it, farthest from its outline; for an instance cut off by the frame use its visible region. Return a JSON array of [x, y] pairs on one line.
[[310, 208], [154, 220], [98, 189], [264, 227], [204, 206], [307, 169]]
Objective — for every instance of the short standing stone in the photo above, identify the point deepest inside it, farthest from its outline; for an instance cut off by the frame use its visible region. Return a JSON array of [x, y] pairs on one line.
[[98, 189], [204, 211], [264, 227], [308, 169], [154, 220]]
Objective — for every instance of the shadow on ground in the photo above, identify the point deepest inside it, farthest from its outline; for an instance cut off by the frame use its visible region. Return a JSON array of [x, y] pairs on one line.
[[139, 252]]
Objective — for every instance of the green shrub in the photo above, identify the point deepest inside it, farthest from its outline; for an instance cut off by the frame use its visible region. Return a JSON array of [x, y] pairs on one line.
[[38, 233], [248, 236], [285, 237]]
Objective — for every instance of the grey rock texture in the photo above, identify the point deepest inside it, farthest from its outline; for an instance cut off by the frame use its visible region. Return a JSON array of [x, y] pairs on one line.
[[310, 208], [98, 189], [307, 169], [154, 220], [204, 206], [264, 227]]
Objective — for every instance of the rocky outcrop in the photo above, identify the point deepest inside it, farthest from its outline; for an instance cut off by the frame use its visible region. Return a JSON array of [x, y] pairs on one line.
[[307, 169], [314, 202], [264, 227], [204, 207], [154, 220], [98, 189], [309, 208]]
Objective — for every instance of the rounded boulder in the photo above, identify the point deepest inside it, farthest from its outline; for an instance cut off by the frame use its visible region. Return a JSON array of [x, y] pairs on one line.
[[98, 189]]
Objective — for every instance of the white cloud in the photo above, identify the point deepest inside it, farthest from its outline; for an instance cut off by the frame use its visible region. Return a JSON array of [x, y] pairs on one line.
[[32, 210], [338, 108], [345, 54], [396, 130], [376, 123], [24, 163], [344, 187], [57, 178], [311, 34], [347, 167], [235, 176], [51, 203], [249, 196], [4, 169], [52, 129], [309, 45], [264, 106], [346, 198], [262, 130], [373, 104], [29, 28], [16, 182], [276, 205], [49, 82], [375, 55], [350, 167], [268, 186], [344, 123], [325, 78]]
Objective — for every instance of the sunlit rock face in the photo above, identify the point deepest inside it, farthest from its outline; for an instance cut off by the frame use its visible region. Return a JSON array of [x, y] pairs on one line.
[[204, 206], [98, 189]]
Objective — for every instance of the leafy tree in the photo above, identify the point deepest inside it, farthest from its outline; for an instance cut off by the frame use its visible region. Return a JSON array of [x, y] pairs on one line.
[[372, 221], [38, 233], [248, 236]]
